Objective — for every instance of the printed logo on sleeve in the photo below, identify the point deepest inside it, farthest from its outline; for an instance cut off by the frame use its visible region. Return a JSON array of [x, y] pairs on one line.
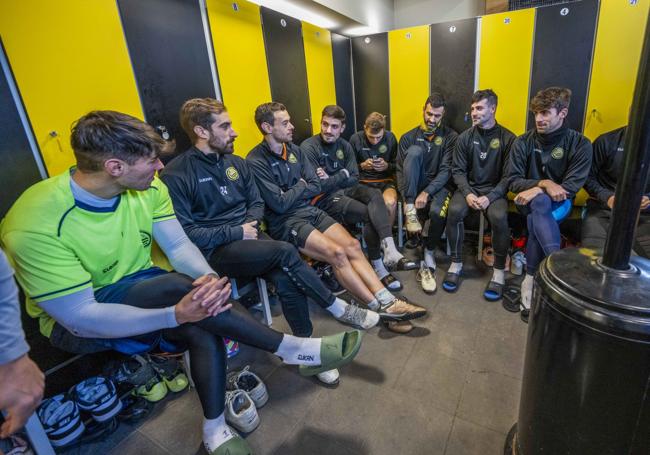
[[232, 173]]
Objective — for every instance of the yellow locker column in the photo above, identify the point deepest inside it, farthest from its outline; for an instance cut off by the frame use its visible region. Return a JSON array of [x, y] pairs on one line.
[[241, 63], [320, 70], [505, 61], [619, 38], [68, 58], [408, 66]]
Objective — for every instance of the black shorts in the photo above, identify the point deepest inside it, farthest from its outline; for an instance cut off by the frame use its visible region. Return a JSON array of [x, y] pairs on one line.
[[297, 227], [381, 186]]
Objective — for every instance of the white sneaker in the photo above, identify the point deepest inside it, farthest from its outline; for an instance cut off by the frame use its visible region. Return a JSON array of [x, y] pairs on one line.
[[359, 317], [427, 279], [240, 411], [413, 225], [329, 378], [250, 383]]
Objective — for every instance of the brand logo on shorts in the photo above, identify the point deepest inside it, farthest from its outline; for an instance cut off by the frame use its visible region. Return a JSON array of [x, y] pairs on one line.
[[232, 173], [145, 238], [292, 158], [339, 154], [495, 143], [438, 141], [383, 148], [557, 153]]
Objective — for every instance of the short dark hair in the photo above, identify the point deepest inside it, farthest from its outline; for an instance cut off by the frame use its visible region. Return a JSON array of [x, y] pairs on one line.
[[552, 97], [435, 100], [102, 135], [198, 112], [334, 111], [487, 94], [375, 122], [266, 113]]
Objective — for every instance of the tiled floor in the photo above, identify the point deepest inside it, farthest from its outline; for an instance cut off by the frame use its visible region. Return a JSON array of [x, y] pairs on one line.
[[450, 387]]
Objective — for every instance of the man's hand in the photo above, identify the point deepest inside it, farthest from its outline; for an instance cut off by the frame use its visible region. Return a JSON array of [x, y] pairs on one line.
[[472, 201], [208, 298], [610, 202], [525, 197], [421, 200], [250, 230], [366, 165], [380, 164], [645, 202], [555, 191], [321, 173], [21, 392], [483, 202]]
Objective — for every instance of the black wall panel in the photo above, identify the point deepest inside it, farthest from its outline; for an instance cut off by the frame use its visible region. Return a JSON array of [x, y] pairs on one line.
[[453, 62], [285, 57], [170, 58], [564, 39], [370, 69], [341, 54]]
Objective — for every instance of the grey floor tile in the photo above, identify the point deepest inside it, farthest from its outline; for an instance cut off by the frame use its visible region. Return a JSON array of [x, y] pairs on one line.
[[470, 439], [292, 393], [315, 441], [453, 338], [138, 444], [490, 399], [275, 427], [503, 353]]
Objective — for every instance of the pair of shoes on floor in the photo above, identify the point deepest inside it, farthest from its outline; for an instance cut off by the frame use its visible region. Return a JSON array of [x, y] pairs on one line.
[[399, 310], [427, 278], [245, 393]]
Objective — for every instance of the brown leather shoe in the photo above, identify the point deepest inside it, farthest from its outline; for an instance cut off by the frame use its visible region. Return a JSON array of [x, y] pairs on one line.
[[400, 327], [400, 310]]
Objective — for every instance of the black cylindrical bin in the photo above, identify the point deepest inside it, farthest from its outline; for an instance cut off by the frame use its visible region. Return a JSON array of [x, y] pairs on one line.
[[586, 383]]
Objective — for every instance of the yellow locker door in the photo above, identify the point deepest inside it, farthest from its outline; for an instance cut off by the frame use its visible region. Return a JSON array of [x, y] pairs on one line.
[[68, 58], [320, 71]]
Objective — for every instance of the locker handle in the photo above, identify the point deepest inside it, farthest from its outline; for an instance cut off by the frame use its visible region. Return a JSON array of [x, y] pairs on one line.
[[307, 120]]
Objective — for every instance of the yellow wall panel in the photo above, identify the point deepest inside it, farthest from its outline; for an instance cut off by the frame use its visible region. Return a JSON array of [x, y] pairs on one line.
[[505, 61], [320, 70], [238, 45], [68, 58], [619, 39], [408, 69]]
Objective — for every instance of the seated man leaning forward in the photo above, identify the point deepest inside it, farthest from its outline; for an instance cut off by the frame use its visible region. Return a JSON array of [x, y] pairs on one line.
[[288, 183], [348, 202], [609, 150], [548, 166], [80, 243], [218, 204], [480, 171]]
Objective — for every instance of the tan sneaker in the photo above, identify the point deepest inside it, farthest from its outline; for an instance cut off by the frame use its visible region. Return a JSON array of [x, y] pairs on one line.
[[413, 225], [400, 327], [427, 279], [400, 310]]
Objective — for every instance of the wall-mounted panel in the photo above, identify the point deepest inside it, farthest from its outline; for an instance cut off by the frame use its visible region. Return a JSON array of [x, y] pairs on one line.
[[370, 70], [619, 39], [68, 58], [505, 59], [243, 75], [285, 58], [342, 56], [564, 41], [320, 70], [453, 63], [170, 58], [408, 51]]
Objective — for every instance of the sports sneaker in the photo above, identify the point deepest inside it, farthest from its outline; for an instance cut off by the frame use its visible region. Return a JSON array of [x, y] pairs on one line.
[[400, 310], [427, 279], [249, 382], [98, 397], [138, 374], [517, 263], [359, 317], [413, 225], [240, 411], [61, 420], [326, 274], [171, 372], [329, 378], [400, 327]]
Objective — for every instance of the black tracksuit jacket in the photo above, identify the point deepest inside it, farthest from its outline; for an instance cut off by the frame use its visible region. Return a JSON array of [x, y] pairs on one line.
[[332, 158], [386, 149]]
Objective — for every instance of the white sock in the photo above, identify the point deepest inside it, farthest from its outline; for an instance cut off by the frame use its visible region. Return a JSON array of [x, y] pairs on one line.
[[455, 267], [409, 207], [299, 351], [391, 255], [216, 432], [379, 267], [373, 304], [499, 276], [384, 296], [527, 291], [429, 259], [337, 308]]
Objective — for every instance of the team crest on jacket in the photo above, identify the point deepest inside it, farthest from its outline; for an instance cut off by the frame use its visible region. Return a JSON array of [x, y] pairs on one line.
[[438, 141], [292, 158], [383, 148], [557, 153], [495, 143], [232, 173], [339, 154]]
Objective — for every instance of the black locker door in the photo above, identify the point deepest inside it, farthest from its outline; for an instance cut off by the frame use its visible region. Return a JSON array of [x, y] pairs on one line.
[[370, 69], [285, 58], [453, 62], [341, 54], [19, 169], [564, 41], [170, 59]]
